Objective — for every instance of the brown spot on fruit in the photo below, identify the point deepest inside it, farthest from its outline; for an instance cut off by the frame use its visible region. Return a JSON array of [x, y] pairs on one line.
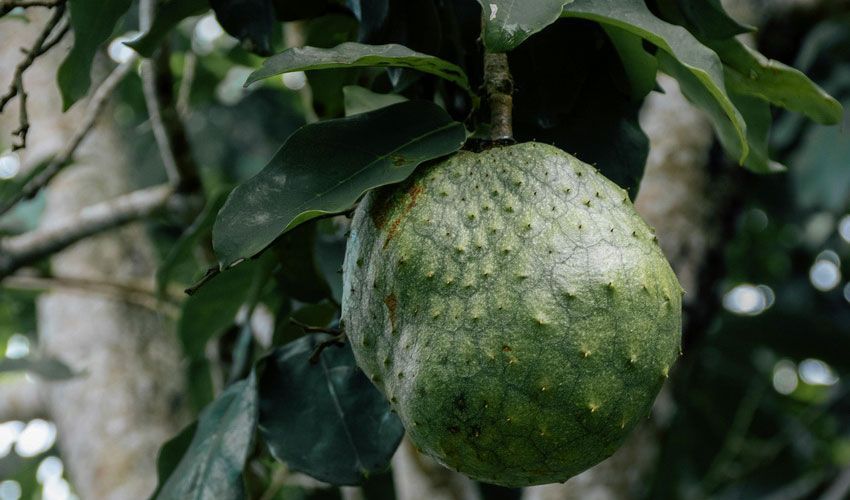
[[412, 195], [391, 302]]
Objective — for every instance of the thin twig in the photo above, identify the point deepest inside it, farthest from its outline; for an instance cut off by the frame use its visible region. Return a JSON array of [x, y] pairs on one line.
[[16, 88], [190, 62], [336, 340], [65, 157], [168, 129], [135, 294], [208, 275], [27, 248], [314, 329], [499, 87]]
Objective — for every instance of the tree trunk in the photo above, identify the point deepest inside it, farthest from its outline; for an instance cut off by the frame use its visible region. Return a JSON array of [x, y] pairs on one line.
[[128, 400]]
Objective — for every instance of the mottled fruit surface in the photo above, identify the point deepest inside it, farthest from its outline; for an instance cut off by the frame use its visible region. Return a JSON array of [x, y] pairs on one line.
[[514, 309]]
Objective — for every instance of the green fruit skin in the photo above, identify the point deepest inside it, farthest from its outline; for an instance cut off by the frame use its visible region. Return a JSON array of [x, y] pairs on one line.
[[514, 309]]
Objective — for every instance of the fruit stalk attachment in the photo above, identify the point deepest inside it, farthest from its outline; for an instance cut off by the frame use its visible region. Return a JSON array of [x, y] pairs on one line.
[[499, 87]]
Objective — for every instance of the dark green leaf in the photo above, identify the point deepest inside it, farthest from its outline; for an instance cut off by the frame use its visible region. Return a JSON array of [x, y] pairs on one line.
[[704, 18], [182, 251], [171, 453], [299, 273], [570, 93], [820, 173], [640, 66], [92, 21], [330, 253], [756, 112], [250, 21], [46, 368], [694, 62], [325, 167], [326, 85], [211, 468], [319, 315], [212, 310], [325, 419], [508, 23], [750, 72], [352, 55], [370, 15], [168, 16], [697, 93], [289, 10], [362, 100]]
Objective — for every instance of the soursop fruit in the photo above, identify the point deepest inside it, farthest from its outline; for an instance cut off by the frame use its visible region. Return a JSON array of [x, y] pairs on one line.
[[514, 309]]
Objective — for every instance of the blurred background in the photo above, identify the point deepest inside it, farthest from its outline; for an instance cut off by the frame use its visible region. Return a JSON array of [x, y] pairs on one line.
[[758, 407]]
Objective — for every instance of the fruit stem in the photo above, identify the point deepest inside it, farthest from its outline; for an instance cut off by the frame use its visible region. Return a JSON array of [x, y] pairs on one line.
[[499, 87]]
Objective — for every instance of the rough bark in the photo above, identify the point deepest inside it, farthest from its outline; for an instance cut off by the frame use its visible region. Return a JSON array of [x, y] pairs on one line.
[[113, 418]]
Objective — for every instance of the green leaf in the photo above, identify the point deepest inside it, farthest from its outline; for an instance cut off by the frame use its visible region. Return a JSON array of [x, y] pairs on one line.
[[508, 23], [212, 310], [211, 467], [325, 419], [698, 94], [252, 22], [750, 72], [640, 66], [362, 100], [820, 173], [182, 251], [171, 453], [705, 18], [756, 112], [320, 315], [694, 62], [354, 55], [168, 16], [46, 368], [92, 22], [325, 167], [299, 274]]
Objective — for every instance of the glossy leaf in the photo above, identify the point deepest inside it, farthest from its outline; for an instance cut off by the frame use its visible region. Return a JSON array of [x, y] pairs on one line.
[[211, 467], [325, 167], [572, 92], [182, 251], [171, 453], [370, 14], [325, 419], [92, 22], [820, 173], [252, 22], [508, 23], [751, 73], [756, 112], [168, 16], [212, 310], [46, 368], [640, 66], [362, 100], [702, 66], [705, 18], [353, 55]]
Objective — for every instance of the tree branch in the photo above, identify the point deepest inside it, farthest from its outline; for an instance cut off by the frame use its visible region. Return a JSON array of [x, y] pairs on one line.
[[27, 248], [138, 294], [16, 88], [499, 87], [169, 132], [65, 157]]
